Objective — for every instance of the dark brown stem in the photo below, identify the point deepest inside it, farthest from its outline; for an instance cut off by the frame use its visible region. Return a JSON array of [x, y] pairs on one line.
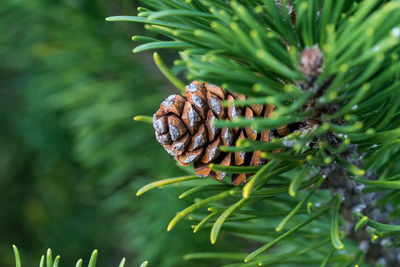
[[355, 200]]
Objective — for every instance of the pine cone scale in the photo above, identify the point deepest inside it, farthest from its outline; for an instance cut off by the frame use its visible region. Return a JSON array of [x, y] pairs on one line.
[[199, 138], [212, 130]]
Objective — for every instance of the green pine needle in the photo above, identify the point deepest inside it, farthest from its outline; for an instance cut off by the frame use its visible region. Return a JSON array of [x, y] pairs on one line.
[[196, 206], [221, 219], [335, 238], [17, 256], [164, 182]]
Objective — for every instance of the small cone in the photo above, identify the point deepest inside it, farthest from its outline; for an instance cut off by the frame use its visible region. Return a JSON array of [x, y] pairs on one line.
[[184, 126]]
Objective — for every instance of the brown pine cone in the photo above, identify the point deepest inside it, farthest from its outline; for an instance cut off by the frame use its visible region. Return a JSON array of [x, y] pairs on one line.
[[183, 126]]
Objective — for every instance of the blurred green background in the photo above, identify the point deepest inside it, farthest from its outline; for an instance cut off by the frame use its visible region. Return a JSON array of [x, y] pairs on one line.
[[71, 158]]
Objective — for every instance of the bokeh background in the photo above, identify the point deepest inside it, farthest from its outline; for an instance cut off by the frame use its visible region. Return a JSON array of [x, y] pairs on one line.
[[71, 158]]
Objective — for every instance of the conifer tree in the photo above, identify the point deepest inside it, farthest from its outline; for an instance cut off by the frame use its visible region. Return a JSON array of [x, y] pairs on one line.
[[326, 192]]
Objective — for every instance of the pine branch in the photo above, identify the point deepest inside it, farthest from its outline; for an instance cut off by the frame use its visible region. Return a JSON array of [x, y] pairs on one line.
[[330, 69]]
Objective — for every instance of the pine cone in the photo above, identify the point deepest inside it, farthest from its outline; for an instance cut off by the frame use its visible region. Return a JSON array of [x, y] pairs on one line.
[[183, 126]]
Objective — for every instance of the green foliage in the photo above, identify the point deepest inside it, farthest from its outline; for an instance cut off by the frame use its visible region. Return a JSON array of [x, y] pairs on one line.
[[49, 262], [71, 158], [253, 48]]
